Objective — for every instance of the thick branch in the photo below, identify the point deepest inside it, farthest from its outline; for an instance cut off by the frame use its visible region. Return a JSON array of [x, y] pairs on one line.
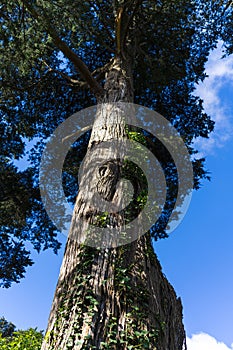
[[123, 21], [72, 56]]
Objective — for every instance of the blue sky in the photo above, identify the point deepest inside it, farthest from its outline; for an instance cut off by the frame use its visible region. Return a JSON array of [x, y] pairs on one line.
[[197, 258]]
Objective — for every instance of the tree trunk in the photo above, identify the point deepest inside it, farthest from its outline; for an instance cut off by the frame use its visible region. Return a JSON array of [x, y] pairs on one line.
[[111, 298]]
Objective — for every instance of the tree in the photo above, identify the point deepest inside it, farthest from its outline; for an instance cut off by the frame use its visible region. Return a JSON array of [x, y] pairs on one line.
[[29, 339], [59, 57], [6, 328]]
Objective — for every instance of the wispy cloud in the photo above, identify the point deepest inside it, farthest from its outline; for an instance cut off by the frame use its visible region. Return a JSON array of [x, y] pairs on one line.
[[205, 341], [215, 92]]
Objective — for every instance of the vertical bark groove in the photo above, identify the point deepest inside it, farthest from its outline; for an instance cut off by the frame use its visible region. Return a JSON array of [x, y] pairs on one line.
[[114, 298]]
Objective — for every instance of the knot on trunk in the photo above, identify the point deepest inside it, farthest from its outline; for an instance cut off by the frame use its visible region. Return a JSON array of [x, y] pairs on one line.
[[109, 175]]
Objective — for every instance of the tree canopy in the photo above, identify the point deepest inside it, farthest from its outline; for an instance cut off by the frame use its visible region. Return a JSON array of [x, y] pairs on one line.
[[6, 328], [10, 338], [54, 56]]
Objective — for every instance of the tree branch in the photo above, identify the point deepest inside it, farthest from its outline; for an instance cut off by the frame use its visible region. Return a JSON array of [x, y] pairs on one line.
[[72, 56], [103, 19], [123, 22], [98, 74], [229, 3], [129, 21], [65, 76]]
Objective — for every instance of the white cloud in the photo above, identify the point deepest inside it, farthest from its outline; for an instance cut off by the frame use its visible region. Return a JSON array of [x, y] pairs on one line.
[[205, 341], [220, 75]]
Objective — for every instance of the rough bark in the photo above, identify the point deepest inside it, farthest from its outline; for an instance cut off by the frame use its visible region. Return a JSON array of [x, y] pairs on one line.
[[113, 298]]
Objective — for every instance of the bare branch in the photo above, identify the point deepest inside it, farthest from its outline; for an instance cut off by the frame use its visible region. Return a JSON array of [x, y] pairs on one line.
[[65, 76], [98, 74], [102, 70], [77, 133]]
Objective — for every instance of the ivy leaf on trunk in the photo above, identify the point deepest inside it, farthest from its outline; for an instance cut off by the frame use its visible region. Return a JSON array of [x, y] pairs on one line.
[[57, 58]]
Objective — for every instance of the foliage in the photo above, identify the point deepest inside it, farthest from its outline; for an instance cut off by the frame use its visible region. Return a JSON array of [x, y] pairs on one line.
[[11, 339], [54, 56], [6, 328], [78, 287]]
